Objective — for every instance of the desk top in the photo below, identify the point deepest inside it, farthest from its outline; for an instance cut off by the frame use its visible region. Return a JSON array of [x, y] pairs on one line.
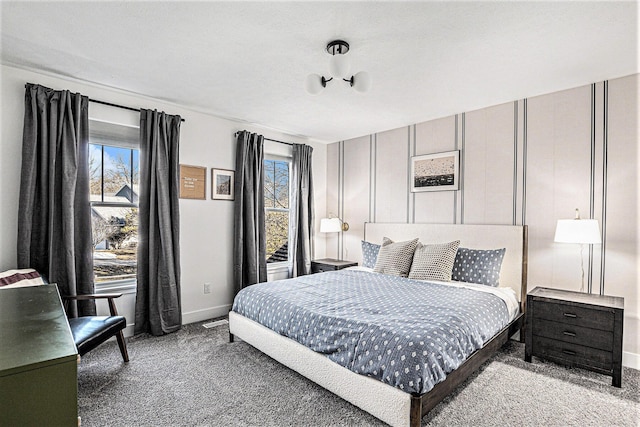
[[34, 331]]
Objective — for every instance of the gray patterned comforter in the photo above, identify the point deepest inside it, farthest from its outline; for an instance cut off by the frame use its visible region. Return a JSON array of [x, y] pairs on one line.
[[406, 333]]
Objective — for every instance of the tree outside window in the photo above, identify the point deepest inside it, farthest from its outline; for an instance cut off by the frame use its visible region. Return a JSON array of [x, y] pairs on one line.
[[276, 201]]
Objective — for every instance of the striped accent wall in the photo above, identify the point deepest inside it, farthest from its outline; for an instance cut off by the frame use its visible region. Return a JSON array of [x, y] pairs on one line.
[[531, 161]]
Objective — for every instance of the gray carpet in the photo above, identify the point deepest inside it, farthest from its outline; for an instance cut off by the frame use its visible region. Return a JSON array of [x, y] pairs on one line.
[[194, 377]]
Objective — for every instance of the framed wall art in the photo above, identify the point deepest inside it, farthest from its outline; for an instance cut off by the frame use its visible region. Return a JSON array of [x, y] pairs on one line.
[[435, 172], [193, 182], [222, 184]]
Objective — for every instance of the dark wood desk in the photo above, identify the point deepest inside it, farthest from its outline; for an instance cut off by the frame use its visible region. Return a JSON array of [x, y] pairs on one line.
[[38, 359]]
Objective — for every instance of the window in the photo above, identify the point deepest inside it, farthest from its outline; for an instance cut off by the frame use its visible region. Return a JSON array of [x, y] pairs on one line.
[[276, 202], [114, 167]]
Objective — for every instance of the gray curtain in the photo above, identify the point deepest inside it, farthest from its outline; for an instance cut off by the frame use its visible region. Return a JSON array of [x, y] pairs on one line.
[[158, 308], [301, 214], [54, 213], [249, 251]]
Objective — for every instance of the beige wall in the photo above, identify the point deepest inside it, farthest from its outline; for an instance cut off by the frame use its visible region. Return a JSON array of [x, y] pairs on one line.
[[206, 226], [528, 162]]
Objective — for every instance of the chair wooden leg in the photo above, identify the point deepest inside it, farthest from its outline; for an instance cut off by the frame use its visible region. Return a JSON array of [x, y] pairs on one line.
[[123, 346]]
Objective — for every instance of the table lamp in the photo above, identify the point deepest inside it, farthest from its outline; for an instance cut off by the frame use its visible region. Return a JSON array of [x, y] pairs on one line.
[[333, 225], [580, 231]]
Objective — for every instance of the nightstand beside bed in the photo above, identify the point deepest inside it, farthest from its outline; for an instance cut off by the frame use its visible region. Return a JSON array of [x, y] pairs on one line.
[[576, 329], [329, 264]]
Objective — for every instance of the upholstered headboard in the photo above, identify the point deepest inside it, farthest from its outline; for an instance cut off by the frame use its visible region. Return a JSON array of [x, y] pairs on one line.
[[512, 237]]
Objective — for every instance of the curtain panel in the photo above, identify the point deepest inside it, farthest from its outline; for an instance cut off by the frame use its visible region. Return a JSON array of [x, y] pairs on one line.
[[249, 251], [158, 305], [301, 215], [54, 212]]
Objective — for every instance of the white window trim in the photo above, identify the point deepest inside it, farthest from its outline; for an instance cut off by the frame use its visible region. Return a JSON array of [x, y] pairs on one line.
[[123, 286], [278, 267]]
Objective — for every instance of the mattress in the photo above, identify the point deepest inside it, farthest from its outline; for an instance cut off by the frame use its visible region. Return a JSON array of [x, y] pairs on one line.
[[406, 333]]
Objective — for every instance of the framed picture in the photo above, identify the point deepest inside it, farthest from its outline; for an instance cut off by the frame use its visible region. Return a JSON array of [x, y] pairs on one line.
[[193, 182], [435, 172], [221, 184]]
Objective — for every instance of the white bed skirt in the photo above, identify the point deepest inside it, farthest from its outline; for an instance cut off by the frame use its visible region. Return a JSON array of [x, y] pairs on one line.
[[383, 401]]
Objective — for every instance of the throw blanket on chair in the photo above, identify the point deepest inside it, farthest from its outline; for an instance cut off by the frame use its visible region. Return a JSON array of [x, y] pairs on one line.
[[19, 278]]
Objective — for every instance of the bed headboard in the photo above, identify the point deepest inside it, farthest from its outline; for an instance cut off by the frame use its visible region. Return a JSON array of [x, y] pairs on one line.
[[511, 237]]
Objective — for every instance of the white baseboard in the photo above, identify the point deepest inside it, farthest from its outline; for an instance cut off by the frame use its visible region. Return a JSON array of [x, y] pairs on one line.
[[631, 360], [205, 314], [128, 331], [191, 317]]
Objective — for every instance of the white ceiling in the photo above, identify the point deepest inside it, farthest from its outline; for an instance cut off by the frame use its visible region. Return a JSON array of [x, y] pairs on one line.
[[248, 60]]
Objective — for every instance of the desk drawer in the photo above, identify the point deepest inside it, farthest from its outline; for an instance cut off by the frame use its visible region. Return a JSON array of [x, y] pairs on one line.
[[572, 354], [564, 332], [585, 317]]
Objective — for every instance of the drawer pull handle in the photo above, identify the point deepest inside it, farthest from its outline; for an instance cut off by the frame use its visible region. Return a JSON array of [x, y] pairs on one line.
[[573, 316], [569, 334], [569, 352]]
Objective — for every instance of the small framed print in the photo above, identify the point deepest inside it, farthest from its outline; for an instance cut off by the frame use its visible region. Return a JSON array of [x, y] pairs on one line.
[[222, 184], [193, 182], [435, 172]]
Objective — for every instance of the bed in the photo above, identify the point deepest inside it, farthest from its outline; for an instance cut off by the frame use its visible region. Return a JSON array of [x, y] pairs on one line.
[[397, 401]]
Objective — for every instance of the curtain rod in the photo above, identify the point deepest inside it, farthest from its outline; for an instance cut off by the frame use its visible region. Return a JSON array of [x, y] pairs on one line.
[[272, 140], [124, 107], [110, 104]]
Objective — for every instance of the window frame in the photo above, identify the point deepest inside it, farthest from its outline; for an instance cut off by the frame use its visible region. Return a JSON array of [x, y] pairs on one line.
[[281, 266], [102, 139]]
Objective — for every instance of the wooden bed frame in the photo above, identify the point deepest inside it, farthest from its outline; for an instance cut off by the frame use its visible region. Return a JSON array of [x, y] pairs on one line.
[[381, 400]]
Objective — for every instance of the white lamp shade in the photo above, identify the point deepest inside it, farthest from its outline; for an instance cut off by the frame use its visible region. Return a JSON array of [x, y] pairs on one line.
[[339, 66], [313, 84], [583, 231], [362, 82], [330, 225]]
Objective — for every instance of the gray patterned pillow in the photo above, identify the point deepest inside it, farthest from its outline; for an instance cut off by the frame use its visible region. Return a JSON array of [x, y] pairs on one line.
[[395, 258], [369, 254], [434, 262], [478, 266]]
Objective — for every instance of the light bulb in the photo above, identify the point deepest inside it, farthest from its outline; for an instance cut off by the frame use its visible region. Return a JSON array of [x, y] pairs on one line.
[[313, 85], [339, 66], [361, 82]]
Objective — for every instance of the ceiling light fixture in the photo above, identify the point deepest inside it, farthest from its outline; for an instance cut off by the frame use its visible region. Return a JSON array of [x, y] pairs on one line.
[[339, 68]]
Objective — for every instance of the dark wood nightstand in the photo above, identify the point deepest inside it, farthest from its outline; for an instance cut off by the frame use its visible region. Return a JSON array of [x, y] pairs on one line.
[[576, 329], [328, 264]]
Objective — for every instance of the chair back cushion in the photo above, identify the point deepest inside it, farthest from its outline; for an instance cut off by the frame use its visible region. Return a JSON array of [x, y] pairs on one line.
[[20, 278]]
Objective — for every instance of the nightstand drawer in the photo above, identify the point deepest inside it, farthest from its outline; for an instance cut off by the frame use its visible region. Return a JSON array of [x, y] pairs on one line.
[[595, 338], [586, 317], [573, 354]]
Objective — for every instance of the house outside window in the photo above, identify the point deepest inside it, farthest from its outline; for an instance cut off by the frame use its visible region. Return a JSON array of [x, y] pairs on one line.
[[276, 202], [114, 167]]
